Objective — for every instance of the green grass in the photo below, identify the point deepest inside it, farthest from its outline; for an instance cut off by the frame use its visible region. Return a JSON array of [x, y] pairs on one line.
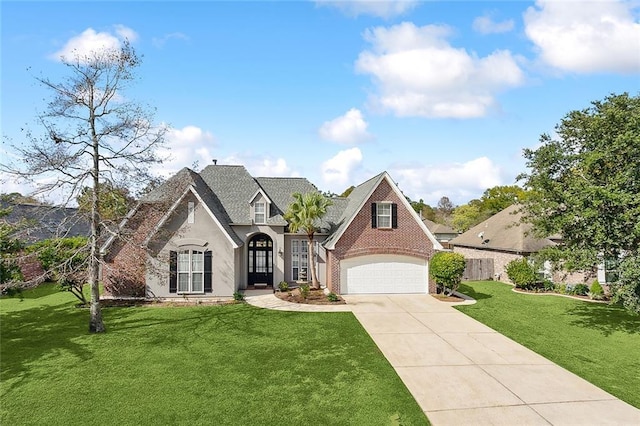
[[232, 364], [600, 343]]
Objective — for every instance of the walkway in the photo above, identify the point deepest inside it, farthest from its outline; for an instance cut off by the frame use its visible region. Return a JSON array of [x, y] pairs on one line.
[[463, 372], [266, 299]]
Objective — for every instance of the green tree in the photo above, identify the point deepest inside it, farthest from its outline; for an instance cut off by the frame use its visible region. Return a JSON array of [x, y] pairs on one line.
[[348, 191], [18, 198], [115, 202], [65, 261], [9, 246], [93, 133], [499, 198], [468, 215], [304, 214], [447, 268], [585, 186]]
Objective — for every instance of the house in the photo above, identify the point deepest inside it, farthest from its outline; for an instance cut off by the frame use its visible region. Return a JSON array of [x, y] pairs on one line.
[[37, 222], [443, 233], [213, 233], [504, 237]]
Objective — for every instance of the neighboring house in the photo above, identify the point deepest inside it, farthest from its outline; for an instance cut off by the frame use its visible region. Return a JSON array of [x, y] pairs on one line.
[[36, 223], [40, 222], [221, 230], [443, 233], [503, 238]]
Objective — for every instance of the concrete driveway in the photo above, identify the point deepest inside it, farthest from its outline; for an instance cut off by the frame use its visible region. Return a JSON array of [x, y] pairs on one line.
[[462, 372]]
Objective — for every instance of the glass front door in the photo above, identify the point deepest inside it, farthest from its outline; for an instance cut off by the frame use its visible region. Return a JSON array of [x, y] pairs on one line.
[[260, 260]]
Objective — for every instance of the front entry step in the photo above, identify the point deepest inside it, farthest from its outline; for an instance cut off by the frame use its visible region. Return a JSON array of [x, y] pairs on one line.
[[259, 285]]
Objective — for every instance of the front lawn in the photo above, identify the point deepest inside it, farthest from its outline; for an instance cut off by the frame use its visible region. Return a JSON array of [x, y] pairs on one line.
[[232, 364], [600, 343]]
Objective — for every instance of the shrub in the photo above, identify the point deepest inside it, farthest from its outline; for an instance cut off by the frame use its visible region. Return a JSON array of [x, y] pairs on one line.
[[304, 291], [65, 261], [521, 273], [283, 286], [596, 292], [238, 297], [561, 288], [581, 290], [446, 268], [548, 285], [333, 297]]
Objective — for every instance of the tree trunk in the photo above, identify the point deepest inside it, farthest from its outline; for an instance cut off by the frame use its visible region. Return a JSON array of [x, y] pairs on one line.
[[312, 264], [95, 322]]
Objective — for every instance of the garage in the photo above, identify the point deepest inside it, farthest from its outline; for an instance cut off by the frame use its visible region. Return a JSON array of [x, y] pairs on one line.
[[380, 274]]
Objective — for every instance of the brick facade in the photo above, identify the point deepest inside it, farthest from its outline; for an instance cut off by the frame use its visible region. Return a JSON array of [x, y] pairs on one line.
[[124, 267], [501, 258], [360, 239]]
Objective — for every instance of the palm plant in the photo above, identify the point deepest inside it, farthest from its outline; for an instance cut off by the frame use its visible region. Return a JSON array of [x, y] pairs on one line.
[[304, 215]]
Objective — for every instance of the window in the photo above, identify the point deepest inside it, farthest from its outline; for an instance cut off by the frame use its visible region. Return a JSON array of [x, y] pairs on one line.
[[259, 213], [190, 271], [191, 218], [299, 258], [383, 215]]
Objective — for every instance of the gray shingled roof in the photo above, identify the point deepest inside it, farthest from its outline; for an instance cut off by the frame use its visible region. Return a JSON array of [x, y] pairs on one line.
[[279, 191], [503, 232], [43, 222], [438, 228], [354, 202], [228, 190]]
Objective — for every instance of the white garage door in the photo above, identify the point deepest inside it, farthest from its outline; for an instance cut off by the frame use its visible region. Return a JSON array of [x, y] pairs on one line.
[[383, 274]]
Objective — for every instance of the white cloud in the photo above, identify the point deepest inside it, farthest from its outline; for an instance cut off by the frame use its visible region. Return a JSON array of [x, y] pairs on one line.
[[184, 148], [90, 41], [161, 41], [486, 25], [337, 171], [350, 128], [458, 181], [418, 73], [261, 166], [586, 37], [381, 8]]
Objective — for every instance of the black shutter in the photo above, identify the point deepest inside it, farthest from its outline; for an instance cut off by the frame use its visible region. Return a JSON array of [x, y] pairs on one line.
[[208, 287], [374, 215], [394, 215], [173, 272]]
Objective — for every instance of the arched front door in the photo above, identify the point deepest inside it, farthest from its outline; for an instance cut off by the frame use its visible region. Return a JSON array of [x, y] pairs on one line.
[[260, 260]]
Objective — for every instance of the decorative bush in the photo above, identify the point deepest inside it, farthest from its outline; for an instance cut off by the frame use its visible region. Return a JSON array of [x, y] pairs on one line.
[[283, 286], [548, 285], [581, 290], [333, 297], [446, 268], [238, 297], [521, 273], [304, 291], [596, 292]]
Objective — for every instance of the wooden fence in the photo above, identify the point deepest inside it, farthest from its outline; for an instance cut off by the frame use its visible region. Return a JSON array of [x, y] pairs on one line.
[[478, 269]]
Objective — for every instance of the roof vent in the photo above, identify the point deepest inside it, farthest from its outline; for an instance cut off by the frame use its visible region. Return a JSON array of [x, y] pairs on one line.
[[215, 161]]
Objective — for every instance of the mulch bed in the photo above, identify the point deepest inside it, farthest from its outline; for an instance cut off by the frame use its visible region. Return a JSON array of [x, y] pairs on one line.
[[316, 297], [441, 297]]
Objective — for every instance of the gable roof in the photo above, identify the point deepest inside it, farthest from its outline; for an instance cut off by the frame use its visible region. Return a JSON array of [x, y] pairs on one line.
[[503, 231], [280, 190], [359, 197], [438, 228]]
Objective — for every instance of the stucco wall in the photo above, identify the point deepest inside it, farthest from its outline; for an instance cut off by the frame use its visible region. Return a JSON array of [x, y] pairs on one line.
[[203, 234], [246, 232], [361, 239]]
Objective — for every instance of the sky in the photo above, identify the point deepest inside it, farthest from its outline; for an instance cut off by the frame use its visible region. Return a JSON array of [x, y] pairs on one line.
[[444, 96]]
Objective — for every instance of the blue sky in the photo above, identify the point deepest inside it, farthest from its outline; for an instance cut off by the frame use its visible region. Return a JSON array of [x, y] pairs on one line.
[[442, 95]]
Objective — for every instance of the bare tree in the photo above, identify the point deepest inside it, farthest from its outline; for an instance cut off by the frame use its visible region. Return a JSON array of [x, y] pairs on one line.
[[92, 136]]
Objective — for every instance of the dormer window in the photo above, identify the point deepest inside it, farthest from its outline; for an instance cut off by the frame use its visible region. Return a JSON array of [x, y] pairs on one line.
[[259, 212]]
